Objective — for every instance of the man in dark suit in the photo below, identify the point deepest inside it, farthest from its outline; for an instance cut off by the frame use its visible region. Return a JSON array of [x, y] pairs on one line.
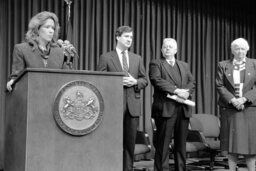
[[173, 77], [134, 80]]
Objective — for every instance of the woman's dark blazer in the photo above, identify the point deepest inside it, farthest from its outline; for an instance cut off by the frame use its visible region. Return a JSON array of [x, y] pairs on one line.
[[26, 55], [225, 84]]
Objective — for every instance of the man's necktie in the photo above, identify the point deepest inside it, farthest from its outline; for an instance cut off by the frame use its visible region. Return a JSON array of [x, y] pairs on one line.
[[125, 64]]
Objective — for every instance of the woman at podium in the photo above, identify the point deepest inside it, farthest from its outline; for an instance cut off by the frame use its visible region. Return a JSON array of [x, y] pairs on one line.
[[40, 48]]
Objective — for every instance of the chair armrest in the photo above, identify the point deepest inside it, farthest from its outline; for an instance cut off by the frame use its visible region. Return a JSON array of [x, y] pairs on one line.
[[142, 144], [153, 124], [142, 138]]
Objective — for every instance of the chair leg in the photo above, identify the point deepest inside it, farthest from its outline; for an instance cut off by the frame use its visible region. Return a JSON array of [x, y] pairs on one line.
[[212, 157]]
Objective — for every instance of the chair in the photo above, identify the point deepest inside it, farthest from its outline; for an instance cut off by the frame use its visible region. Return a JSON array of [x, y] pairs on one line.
[[209, 126], [142, 147], [195, 143], [142, 144]]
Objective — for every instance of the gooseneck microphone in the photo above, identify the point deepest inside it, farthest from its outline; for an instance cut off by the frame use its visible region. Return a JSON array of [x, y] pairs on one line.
[[67, 46], [68, 50]]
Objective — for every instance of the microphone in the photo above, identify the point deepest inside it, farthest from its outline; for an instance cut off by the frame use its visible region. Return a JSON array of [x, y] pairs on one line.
[[60, 42], [70, 46], [69, 49]]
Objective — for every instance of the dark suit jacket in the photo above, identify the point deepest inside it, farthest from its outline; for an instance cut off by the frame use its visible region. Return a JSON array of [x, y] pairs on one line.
[[163, 82], [25, 55], [110, 62], [225, 84]]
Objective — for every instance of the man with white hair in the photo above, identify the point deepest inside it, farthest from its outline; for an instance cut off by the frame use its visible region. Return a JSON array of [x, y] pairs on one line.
[[170, 76], [236, 85]]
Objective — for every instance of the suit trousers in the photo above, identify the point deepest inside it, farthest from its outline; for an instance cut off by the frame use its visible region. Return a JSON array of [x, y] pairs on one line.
[[130, 125], [168, 128]]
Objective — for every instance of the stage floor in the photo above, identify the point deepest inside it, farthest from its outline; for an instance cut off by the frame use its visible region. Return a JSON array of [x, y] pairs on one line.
[[147, 165]]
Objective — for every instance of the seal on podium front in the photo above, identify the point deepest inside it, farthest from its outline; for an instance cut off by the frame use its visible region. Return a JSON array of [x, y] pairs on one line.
[[78, 108]]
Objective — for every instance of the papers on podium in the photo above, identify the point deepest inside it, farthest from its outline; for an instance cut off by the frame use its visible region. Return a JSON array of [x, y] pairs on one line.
[[187, 102]]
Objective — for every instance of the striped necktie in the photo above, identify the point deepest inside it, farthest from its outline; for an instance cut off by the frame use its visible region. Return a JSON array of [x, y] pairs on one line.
[[125, 64], [238, 77]]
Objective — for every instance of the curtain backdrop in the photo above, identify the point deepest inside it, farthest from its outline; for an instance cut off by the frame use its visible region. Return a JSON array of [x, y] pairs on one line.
[[203, 30]]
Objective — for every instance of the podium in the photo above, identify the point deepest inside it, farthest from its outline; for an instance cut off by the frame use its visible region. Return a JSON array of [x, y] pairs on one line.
[[40, 138]]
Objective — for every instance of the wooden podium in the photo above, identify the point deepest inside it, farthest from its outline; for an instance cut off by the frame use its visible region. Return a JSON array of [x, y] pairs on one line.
[[35, 141]]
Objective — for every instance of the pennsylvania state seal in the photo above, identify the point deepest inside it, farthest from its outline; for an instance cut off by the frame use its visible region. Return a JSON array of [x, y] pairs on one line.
[[78, 108]]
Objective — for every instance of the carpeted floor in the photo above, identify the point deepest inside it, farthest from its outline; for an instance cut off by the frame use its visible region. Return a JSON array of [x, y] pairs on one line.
[[147, 165]]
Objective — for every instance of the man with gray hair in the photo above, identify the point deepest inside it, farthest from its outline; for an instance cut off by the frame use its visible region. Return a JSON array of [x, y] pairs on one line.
[[170, 76]]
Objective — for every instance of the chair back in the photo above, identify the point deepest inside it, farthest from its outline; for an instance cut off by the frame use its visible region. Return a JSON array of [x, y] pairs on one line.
[[208, 124]]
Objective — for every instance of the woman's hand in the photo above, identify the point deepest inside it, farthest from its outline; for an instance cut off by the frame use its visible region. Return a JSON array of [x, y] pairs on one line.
[[238, 102], [9, 85]]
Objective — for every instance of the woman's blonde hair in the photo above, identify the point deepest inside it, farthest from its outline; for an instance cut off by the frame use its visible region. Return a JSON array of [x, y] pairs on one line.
[[37, 21]]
